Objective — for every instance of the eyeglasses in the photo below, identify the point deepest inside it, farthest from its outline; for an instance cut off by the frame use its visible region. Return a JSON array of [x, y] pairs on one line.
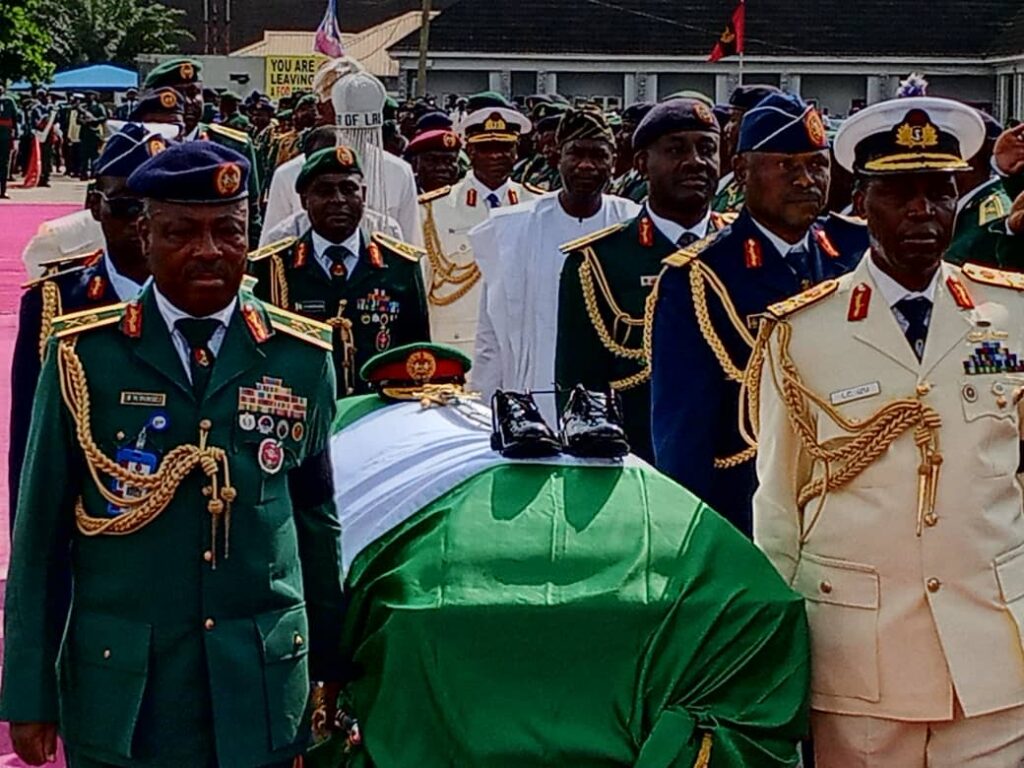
[[122, 207]]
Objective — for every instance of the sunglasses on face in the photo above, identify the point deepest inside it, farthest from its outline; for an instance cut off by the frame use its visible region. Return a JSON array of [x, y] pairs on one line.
[[122, 207]]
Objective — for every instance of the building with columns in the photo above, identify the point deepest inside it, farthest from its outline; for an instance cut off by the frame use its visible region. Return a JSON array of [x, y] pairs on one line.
[[842, 55]]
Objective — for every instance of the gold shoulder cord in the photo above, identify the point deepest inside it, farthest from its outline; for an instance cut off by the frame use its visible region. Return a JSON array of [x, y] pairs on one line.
[[704, 756], [444, 271], [51, 308], [154, 491], [590, 269], [701, 276], [279, 283], [343, 326], [844, 459]]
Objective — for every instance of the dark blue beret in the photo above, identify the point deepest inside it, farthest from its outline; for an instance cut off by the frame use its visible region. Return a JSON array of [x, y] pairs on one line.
[[434, 121], [198, 172], [746, 97], [671, 116], [782, 123], [127, 149], [723, 112]]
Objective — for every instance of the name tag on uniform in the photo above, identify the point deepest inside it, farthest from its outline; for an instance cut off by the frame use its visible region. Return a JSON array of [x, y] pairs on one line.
[[648, 281], [859, 392], [149, 399], [318, 306]]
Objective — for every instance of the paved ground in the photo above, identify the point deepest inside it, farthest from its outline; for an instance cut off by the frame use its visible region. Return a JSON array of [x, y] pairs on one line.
[[19, 219]]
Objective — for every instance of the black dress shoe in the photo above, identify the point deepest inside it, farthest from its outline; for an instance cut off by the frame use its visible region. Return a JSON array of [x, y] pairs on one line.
[[592, 424], [519, 429]]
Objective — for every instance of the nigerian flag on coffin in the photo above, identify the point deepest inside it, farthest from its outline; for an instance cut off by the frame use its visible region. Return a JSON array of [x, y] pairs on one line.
[[551, 613]]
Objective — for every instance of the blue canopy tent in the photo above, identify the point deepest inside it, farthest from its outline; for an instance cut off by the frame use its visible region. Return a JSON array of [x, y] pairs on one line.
[[98, 77]]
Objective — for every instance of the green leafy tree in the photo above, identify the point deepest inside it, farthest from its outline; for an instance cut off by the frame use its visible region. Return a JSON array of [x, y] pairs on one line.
[[100, 31], [24, 42]]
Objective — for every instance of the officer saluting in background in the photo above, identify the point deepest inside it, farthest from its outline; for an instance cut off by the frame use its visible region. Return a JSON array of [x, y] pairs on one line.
[[178, 475]]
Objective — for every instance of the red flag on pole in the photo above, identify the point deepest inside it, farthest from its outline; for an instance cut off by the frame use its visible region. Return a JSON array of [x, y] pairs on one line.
[[731, 41]]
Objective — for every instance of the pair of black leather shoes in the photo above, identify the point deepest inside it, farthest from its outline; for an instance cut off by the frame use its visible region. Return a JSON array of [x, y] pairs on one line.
[[591, 426]]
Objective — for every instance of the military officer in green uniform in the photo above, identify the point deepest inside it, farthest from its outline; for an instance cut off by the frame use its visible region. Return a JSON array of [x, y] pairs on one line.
[[230, 116], [628, 182], [8, 135], [92, 116], [178, 484], [608, 276], [368, 287], [185, 76]]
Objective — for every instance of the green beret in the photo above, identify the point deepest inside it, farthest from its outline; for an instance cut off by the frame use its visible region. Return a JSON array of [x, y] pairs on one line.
[[331, 160], [309, 98], [230, 95], [173, 73]]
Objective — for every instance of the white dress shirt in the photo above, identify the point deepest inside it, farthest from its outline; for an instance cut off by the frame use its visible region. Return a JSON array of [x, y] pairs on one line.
[[321, 244], [171, 315], [781, 245], [674, 230], [125, 288], [483, 191], [893, 292]]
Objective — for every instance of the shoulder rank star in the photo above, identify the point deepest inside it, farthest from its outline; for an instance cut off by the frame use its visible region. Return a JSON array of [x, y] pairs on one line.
[[959, 293], [752, 254], [645, 231], [860, 298]]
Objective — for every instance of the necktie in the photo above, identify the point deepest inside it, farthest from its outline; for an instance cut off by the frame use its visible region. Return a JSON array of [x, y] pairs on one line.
[[685, 239], [917, 312], [493, 201], [799, 262], [337, 255], [197, 333]]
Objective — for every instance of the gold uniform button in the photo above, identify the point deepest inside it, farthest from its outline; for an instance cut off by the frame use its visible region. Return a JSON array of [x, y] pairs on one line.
[[209, 624], [120, 435], [106, 653], [934, 585], [208, 556], [931, 519], [826, 587], [923, 388], [205, 424], [299, 642], [1001, 401]]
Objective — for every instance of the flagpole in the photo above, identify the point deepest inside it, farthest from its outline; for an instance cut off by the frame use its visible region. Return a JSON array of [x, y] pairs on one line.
[[741, 68], [421, 74]]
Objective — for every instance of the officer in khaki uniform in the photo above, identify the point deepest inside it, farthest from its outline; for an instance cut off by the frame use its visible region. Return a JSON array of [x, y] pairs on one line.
[[450, 272], [367, 287], [608, 276], [178, 484], [889, 428]]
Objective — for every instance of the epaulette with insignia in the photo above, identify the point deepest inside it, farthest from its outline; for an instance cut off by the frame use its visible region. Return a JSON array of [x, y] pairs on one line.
[[535, 189], [998, 277], [271, 248], [684, 256], [87, 319], [857, 220], [53, 275], [434, 194], [992, 209], [249, 283], [313, 331], [406, 250], [593, 237], [240, 136], [91, 257], [805, 299]]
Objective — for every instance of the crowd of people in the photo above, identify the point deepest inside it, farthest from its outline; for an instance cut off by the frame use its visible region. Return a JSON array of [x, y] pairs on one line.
[[809, 327]]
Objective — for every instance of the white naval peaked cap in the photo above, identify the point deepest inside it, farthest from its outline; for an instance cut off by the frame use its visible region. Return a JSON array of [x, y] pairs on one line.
[[913, 135]]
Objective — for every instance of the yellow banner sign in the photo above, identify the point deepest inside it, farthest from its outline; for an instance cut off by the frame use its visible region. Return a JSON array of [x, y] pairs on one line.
[[288, 74]]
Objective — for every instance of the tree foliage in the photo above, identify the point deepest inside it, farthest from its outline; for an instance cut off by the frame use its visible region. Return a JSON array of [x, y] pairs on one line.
[[101, 31], [24, 42]]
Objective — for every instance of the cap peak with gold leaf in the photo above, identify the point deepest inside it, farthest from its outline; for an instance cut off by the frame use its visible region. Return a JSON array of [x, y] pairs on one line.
[[494, 124], [417, 371]]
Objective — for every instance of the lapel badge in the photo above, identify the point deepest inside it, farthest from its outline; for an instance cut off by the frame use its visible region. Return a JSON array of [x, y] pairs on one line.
[[860, 299], [825, 242], [270, 456], [131, 324], [752, 253], [513, 197], [471, 197], [301, 254], [257, 326], [376, 259], [96, 287], [645, 231], [959, 293]]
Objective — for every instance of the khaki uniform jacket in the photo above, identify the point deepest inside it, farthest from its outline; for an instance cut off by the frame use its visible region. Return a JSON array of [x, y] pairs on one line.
[[447, 216], [907, 608]]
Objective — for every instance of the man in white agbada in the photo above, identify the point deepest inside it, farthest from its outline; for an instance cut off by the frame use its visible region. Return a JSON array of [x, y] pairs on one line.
[[518, 253], [354, 100]]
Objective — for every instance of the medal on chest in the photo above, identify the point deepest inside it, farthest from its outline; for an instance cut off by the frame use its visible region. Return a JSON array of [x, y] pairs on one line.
[[271, 409], [378, 308]]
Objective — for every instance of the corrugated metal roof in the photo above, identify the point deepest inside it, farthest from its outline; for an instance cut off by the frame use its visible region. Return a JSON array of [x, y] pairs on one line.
[[370, 47]]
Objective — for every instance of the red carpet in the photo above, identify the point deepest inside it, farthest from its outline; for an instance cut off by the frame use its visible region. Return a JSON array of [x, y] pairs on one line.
[[18, 223]]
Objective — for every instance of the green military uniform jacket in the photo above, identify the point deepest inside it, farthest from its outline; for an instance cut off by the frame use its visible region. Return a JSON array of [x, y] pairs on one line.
[[238, 121], [631, 185], [730, 198], [385, 303], [980, 225], [241, 143], [536, 173], [603, 292], [187, 644]]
